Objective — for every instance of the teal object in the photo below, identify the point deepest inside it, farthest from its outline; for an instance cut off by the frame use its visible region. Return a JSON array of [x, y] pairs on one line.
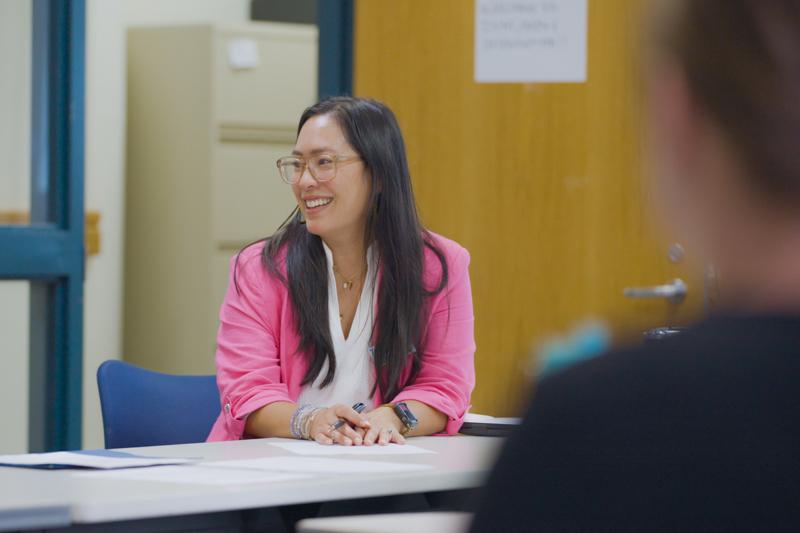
[[586, 342]]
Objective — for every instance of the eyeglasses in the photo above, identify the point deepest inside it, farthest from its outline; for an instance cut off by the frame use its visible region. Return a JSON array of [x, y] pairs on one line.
[[323, 167]]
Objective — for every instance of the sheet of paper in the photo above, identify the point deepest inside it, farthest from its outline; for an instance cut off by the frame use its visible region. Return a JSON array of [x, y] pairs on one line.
[[486, 419], [304, 447], [528, 41], [86, 460], [195, 474], [318, 465]]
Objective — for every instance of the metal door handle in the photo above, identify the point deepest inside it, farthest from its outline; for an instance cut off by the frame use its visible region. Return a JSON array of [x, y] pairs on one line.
[[675, 292]]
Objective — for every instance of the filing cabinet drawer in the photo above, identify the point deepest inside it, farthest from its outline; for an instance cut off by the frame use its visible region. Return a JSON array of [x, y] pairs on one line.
[[249, 199], [278, 79]]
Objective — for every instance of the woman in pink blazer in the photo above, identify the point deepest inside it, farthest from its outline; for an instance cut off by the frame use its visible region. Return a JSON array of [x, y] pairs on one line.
[[350, 302]]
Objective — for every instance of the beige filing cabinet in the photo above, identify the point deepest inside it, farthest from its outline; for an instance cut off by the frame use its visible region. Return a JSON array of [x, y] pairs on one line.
[[210, 109]]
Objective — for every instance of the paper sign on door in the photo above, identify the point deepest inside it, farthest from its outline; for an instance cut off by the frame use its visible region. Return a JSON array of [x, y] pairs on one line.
[[530, 41]]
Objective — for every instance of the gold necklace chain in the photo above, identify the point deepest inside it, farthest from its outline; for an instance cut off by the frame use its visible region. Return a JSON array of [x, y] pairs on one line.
[[348, 283]]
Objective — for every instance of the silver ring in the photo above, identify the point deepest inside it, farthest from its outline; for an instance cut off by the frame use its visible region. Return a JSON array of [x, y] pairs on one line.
[[391, 430]]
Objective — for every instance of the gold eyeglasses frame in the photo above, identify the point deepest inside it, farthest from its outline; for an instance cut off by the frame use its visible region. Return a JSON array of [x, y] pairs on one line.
[[290, 160]]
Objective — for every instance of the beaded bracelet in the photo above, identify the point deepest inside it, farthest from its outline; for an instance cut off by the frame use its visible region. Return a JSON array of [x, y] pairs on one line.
[[295, 424], [308, 419]]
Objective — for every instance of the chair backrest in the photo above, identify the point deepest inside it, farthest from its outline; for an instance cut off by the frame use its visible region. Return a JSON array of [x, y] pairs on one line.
[[145, 408]]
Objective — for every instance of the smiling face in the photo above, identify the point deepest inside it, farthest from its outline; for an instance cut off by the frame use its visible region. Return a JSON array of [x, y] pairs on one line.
[[337, 209]]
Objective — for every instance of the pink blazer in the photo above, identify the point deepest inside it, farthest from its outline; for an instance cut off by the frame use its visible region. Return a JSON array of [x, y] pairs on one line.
[[258, 362]]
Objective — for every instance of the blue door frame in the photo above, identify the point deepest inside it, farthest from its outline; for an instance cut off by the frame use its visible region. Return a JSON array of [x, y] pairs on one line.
[[50, 252], [335, 23]]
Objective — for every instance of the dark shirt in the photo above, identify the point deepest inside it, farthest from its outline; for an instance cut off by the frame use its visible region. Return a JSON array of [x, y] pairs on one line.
[[699, 431]]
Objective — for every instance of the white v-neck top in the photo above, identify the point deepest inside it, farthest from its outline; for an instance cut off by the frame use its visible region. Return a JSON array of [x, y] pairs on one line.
[[355, 372]]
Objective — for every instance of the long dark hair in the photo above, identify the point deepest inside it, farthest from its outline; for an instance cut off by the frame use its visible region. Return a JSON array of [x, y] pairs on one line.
[[392, 227]]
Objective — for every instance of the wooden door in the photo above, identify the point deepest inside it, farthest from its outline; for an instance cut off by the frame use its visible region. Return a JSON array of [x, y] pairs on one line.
[[543, 184]]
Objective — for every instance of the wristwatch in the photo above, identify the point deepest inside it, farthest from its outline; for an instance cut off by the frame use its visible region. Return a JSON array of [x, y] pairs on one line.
[[406, 417]]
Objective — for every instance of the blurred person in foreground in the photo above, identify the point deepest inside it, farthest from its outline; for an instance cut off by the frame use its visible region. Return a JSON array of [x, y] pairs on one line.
[[699, 431]]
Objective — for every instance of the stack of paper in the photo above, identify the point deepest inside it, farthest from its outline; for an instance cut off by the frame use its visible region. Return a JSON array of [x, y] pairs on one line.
[[319, 465], [313, 448], [100, 459], [260, 470], [194, 475]]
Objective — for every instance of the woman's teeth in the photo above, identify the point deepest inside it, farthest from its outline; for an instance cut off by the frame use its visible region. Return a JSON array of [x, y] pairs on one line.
[[317, 203]]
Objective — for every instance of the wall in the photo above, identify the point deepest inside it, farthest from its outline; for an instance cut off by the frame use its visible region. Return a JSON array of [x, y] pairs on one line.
[[107, 22], [15, 98], [15, 88]]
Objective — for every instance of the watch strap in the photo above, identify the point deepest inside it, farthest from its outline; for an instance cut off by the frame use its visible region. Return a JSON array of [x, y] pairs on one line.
[[407, 418], [405, 415]]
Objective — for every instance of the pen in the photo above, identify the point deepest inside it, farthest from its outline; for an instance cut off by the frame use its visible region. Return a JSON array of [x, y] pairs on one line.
[[357, 408]]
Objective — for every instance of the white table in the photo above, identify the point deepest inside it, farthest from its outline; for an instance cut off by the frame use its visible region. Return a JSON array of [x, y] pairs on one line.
[[460, 462]]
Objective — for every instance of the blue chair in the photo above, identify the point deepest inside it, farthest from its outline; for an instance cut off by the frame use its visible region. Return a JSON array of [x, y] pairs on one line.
[[145, 408]]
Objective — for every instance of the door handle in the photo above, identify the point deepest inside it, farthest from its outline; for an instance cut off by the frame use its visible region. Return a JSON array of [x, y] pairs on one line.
[[674, 292]]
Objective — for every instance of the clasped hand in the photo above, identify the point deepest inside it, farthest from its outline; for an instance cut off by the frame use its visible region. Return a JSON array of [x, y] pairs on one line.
[[379, 426]]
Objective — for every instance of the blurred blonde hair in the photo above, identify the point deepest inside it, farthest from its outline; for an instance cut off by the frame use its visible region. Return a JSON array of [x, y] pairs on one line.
[[741, 59]]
